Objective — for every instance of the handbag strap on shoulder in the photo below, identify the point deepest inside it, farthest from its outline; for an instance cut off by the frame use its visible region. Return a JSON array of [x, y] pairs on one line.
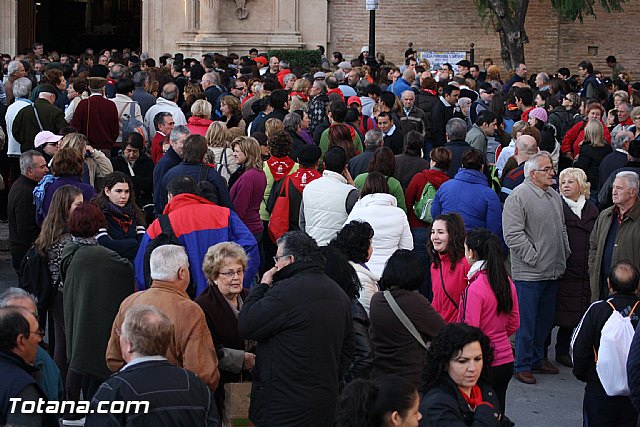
[[403, 318]]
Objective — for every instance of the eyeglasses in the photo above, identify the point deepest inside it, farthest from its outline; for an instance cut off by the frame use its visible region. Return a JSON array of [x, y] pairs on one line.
[[232, 273], [39, 332], [279, 257], [545, 170]]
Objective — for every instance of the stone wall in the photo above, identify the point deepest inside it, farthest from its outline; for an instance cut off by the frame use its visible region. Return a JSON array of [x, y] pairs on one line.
[[430, 26]]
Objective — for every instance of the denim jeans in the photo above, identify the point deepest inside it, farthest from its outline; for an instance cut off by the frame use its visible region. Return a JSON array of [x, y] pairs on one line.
[[537, 302], [420, 236]]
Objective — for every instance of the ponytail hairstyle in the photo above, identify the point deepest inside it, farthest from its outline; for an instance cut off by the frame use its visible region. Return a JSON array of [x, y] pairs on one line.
[[488, 248], [365, 403]]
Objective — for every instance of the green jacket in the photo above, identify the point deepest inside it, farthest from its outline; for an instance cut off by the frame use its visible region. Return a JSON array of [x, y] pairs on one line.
[[626, 246], [25, 126], [96, 281], [395, 189], [324, 142]]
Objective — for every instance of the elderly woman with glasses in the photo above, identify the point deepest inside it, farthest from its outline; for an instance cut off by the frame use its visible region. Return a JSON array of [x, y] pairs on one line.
[[224, 266]]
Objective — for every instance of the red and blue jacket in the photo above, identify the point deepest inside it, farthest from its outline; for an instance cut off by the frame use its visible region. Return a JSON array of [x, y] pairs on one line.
[[200, 224]]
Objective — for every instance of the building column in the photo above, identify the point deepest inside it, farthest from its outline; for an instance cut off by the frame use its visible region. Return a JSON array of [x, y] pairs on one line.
[[8, 26], [209, 15], [152, 22]]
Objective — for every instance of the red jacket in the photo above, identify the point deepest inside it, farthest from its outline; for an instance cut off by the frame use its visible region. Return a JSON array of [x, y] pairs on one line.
[[156, 146], [414, 191], [574, 137], [454, 282]]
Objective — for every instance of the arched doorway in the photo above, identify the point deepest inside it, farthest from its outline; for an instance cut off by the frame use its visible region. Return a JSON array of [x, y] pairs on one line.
[[71, 26]]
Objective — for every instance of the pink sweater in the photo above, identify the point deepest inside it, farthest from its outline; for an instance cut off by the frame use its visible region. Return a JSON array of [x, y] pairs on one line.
[[480, 309], [455, 283]]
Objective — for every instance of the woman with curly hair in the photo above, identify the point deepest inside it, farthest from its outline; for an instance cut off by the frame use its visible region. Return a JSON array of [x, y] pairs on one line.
[[456, 380], [219, 151], [449, 267], [354, 241], [384, 161]]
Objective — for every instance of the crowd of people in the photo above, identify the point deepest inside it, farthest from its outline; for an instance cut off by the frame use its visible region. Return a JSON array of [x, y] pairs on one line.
[[360, 244]]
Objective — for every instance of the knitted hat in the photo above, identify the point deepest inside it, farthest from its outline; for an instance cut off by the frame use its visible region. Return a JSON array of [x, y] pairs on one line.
[[539, 113]]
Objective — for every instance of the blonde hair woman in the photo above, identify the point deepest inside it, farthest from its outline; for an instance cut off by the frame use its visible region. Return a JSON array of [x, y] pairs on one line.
[[200, 117], [224, 266], [247, 190], [574, 292], [219, 152], [273, 126], [97, 163], [592, 151]]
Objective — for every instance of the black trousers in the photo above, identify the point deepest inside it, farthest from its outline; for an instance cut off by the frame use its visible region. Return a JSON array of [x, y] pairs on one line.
[[600, 410], [501, 377]]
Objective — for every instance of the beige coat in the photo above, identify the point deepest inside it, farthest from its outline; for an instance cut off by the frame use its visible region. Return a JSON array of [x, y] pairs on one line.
[[191, 347]]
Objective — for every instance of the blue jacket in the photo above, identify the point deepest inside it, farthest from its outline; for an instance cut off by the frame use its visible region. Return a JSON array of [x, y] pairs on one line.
[[399, 86], [200, 224], [193, 170], [166, 162], [469, 194]]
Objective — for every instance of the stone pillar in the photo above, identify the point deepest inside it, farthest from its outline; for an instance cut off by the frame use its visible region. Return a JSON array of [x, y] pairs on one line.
[[191, 17], [152, 21], [209, 15], [8, 26], [286, 32]]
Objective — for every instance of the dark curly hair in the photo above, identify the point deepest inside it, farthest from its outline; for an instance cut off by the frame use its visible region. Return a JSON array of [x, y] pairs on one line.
[[447, 345], [280, 144], [354, 241], [455, 248], [339, 270]]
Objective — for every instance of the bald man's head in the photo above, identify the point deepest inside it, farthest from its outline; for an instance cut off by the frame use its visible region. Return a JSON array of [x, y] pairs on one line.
[[526, 147]]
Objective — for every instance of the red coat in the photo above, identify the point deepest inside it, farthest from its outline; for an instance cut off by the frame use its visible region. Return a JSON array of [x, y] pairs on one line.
[[97, 118], [414, 191], [574, 137], [156, 146]]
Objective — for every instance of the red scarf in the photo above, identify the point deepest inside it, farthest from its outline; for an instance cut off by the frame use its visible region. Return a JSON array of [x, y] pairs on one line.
[[280, 166], [475, 399], [303, 176], [302, 95], [430, 92], [336, 90]]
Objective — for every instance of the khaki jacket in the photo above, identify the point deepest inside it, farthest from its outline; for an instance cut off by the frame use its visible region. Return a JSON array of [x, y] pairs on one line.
[[534, 231], [191, 347], [626, 246]]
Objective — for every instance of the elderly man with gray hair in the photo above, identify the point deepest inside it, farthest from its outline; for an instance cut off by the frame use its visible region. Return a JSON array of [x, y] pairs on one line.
[[616, 233], [173, 395], [456, 133], [373, 139], [620, 155], [166, 103], [534, 230], [191, 344], [21, 90]]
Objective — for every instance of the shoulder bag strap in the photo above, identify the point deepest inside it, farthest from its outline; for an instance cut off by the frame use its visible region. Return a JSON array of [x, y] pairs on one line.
[[35, 111], [444, 289], [165, 224], [403, 318], [204, 173]]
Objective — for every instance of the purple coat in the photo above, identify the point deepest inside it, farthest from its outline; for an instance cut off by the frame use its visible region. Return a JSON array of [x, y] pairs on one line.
[[88, 192], [246, 194]]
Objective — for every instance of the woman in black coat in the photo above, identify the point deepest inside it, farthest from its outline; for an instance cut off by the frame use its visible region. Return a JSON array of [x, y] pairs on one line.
[[340, 271], [592, 151], [224, 266], [125, 221], [456, 386], [574, 292], [135, 163]]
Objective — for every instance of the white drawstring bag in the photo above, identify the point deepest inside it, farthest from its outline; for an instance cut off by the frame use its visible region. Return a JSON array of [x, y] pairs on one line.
[[611, 359]]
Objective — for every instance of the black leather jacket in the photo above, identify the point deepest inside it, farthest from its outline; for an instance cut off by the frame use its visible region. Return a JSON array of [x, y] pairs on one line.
[[362, 361]]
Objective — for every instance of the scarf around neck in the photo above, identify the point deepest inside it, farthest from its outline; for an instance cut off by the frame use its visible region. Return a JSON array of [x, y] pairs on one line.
[[121, 215], [475, 399], [576, 207], [280, 166]]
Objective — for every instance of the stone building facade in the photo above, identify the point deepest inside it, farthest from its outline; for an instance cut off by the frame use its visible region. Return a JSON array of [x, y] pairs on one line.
[[198, 26]]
